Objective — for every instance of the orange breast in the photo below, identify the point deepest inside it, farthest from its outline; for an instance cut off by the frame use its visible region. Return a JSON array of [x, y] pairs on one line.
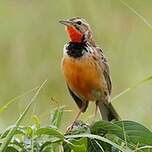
[[82, 76]]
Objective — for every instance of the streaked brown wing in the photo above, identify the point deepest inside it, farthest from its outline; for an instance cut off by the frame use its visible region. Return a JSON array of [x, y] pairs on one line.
[[108, 80], [106, 71]]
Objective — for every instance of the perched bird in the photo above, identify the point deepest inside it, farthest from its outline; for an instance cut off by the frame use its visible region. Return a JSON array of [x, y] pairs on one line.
[[86, 70]]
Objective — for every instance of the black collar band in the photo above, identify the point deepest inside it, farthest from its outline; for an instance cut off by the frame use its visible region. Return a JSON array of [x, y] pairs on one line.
[[76, 49]]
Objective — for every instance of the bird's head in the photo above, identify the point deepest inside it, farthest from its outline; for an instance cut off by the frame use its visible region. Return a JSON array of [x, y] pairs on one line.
[[78, 29]]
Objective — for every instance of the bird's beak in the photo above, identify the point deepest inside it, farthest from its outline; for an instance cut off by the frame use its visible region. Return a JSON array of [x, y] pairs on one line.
[[66, 22]]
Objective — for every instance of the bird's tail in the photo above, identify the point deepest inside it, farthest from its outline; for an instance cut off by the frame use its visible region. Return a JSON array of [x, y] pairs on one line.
[[107, 111]]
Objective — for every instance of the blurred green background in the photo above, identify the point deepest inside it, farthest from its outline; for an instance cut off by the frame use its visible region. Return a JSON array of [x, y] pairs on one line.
[[31, 43]]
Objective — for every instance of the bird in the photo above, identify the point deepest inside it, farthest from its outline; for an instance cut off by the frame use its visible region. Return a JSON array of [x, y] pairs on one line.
[[86, 70]]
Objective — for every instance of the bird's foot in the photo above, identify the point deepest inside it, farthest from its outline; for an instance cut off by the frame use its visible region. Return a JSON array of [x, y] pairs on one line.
[[69, 128]]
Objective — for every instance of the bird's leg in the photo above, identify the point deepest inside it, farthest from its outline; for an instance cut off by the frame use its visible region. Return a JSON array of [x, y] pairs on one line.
[[76, 118]]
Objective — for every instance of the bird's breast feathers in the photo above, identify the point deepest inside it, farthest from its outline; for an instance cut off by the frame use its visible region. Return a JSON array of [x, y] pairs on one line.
[[84, 76]]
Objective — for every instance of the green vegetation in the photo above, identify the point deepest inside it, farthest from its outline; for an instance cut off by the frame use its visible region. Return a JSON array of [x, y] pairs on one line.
[[125, 136], [31, 45]]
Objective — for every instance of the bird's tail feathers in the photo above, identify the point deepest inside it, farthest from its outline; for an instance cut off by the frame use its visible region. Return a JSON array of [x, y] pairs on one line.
[[108, 112]]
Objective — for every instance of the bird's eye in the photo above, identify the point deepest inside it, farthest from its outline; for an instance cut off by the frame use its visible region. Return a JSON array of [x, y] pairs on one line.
[[79, 22]]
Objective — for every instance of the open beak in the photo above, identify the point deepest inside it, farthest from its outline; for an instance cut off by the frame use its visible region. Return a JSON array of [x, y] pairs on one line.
[[66, 22]]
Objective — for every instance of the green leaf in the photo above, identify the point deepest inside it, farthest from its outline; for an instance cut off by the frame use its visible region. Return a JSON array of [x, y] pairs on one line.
[[52, 148], [104, 127], [137, 133], [107, 130], [131, 133], [56, 117], [18, 144], [36, 121], [91, 136], [79, 145], [29, 131], [11, 149], [145, 148], [96, 146], [50, 132], [49, 144]]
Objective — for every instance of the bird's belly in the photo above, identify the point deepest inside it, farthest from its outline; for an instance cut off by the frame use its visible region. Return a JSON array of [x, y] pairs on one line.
[[83, 77]]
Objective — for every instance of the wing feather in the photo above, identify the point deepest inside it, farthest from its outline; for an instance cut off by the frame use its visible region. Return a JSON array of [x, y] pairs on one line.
[[80, 103]]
